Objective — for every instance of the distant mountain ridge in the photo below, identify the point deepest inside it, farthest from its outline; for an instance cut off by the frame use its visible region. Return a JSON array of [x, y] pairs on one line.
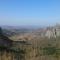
[[15, 30], [50, 31]]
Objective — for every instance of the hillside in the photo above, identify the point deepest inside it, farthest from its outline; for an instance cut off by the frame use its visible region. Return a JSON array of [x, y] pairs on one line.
[[40, 47]]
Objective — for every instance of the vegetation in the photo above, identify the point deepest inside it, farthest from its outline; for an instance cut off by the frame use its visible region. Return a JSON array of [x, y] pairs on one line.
[[39, 49]]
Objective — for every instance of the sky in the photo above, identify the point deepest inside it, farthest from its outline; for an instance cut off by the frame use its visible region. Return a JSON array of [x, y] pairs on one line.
[[29, 12]]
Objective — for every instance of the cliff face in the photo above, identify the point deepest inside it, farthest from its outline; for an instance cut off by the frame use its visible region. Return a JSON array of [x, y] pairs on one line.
[[54, 32]]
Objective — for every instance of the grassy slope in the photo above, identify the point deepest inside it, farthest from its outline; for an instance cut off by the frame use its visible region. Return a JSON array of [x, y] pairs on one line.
[[37, 50]]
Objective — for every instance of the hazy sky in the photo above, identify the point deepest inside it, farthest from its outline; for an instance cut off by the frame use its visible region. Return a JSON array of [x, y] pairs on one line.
[[29, 12]]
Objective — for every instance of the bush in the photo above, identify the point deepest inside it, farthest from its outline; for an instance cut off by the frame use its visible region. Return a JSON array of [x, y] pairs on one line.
[[49, 50]]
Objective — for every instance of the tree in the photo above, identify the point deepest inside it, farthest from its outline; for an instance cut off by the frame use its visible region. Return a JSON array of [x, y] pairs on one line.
[[1, 31]]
